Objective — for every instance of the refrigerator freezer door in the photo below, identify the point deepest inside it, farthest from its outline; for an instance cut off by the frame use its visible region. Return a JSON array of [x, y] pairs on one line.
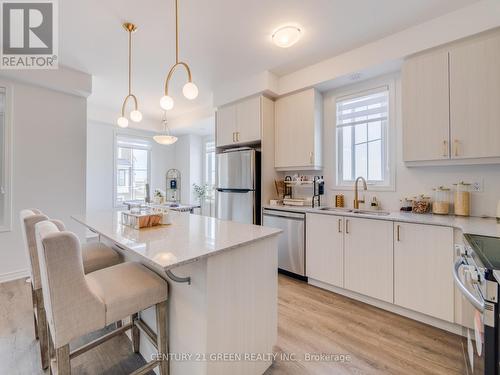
[[236, 170], [236, 206]]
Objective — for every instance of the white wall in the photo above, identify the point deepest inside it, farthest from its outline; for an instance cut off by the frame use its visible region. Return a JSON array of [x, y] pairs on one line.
[[49, 152], [100, 163], [410, 181]]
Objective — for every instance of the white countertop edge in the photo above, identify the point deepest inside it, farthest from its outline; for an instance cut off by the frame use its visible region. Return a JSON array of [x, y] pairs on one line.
[[272, 232], [471, 224]]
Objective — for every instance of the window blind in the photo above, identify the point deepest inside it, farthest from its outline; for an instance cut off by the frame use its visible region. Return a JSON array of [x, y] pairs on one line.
[[365, 108]]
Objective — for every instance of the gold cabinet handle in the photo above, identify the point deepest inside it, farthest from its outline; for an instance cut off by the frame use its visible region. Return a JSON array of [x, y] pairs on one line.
[[456, 143], [347, 226], [237, 136], [398, 233], [445, 148], [340, 225], [311, 157]]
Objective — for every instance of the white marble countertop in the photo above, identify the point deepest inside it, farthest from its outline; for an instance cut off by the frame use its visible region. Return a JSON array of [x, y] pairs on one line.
[[188, 239], [472, 225]]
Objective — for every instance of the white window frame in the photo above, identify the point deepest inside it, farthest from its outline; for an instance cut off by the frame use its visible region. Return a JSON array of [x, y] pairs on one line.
[[388, 140], [7, 158], [118, 134]]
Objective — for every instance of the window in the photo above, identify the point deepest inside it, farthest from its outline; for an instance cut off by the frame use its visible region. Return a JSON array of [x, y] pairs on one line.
[[132, 168], [363, 138]]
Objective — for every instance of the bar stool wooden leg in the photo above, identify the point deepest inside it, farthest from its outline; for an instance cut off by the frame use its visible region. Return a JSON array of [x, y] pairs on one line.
[[42, 329], [51, 351], [62, 360], [135, 334], [162, 336], [33, 299]]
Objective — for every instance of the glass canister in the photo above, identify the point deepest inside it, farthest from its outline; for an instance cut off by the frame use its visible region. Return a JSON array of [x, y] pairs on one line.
[[421, 204], [462, 199], [441, 204]]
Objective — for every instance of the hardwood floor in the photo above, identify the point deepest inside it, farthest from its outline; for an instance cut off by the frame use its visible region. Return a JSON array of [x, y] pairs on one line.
[[311, 320]]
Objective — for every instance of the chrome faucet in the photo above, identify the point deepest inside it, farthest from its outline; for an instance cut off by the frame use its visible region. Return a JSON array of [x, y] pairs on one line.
[[356, 199]]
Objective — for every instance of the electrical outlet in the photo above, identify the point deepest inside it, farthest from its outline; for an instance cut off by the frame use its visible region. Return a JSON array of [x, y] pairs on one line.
[[476, 187]]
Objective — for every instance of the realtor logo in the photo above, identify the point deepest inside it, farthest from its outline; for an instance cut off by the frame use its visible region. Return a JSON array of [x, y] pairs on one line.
[[29, 34]]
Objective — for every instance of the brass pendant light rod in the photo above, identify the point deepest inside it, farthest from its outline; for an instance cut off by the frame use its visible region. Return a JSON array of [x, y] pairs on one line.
[[190, 90], [135, 114]]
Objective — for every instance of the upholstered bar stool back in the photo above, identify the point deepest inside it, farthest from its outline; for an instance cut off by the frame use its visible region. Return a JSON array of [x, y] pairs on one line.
[[78, 304], [95, 256]]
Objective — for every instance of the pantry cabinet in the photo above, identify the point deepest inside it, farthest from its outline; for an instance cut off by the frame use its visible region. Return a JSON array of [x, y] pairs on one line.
[[425, 101], [240, 122], [325, 244], [298, 131], [475, 98], [450, 102], [423, 281], [368, 257]]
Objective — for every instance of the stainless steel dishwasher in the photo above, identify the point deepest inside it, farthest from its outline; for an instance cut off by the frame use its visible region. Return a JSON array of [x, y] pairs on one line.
[[291, 246]]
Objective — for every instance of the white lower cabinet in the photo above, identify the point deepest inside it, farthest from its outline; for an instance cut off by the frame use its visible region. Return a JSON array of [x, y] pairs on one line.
[[325, 248], [368, 257], [423, 281], [405, 264]]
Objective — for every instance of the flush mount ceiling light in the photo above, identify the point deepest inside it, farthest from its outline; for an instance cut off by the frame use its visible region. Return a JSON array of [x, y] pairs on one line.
[[135, 115], [189, 90], [166, 138], [287, 35]]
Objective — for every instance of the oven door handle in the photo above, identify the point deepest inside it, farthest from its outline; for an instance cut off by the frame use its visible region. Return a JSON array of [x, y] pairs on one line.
[[477, 303]]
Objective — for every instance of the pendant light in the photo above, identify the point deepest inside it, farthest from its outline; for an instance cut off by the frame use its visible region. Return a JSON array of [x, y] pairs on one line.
[[190, 90], [166, 138], [135, 115]]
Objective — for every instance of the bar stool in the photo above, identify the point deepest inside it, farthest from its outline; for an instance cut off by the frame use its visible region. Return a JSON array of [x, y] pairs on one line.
[[78, 304], [95, 256]]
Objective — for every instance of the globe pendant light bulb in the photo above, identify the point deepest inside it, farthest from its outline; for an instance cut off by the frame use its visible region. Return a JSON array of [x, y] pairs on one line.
[[167, 103], [122, 122], [136, 116], [190, 91]]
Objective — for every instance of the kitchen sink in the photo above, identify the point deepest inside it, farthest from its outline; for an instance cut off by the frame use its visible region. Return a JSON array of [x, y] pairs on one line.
[[354, 211], [371, 212], [336, 209]]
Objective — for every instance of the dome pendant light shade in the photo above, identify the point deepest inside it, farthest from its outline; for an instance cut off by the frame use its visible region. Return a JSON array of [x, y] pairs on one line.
[[190, 90], [135, 115], [165, 139]]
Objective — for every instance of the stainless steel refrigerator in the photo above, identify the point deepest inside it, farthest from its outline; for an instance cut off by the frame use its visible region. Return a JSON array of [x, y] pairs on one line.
[[238, 186]]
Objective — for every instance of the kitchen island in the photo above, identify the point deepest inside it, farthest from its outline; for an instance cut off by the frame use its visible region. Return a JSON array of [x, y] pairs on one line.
[[222, 280]]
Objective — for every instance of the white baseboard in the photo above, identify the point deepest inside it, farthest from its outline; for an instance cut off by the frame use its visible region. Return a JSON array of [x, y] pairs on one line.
[[438, 323], [9, 276]]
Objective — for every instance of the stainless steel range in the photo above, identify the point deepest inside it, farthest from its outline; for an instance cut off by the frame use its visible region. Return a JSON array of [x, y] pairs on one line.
[[476, 274]]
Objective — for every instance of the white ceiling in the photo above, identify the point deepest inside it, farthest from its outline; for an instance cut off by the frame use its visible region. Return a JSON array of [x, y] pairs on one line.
[[222, 40]]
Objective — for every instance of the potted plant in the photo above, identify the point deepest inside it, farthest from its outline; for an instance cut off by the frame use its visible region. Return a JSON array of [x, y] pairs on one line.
[[201, 193]]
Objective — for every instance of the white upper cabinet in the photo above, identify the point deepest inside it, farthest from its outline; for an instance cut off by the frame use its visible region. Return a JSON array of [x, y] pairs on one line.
[[226, 125], [423, 281], [240, 123], [475, 98], [368, 257], [425, 100], [450, 103], [325, 248], [248, 120], [298, 131]]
